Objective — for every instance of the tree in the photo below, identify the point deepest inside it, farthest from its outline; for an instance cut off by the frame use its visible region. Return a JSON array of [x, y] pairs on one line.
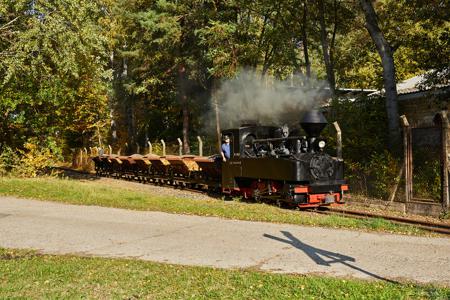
[[166, 78], [327, 47], [304, 26], [53, 77], [387, 59]]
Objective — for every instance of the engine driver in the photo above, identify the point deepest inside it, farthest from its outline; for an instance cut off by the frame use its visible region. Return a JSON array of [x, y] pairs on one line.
[[225, 148]]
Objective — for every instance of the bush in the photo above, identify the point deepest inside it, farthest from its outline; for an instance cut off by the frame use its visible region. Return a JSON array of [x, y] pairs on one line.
[[8, 160], [427, 174], [32, 161], [374, 177], [370, 169]]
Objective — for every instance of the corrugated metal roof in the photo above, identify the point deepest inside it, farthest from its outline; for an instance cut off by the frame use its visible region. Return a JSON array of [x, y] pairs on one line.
[[410, 85], [414, 85]]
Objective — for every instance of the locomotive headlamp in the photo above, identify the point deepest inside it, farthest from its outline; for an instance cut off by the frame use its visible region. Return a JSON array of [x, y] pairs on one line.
[[322, 144]]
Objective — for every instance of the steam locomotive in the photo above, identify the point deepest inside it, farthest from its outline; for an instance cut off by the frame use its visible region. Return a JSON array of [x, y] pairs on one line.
[[266, 162]]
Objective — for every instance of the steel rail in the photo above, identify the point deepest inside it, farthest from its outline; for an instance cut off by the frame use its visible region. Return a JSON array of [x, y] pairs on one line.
[[429, 226]]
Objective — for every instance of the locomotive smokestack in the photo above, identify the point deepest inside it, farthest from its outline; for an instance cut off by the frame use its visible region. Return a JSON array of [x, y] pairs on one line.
[[313, 123]]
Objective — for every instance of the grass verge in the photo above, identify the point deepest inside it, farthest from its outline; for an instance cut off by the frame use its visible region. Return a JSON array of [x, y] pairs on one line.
[[102, 194], [27, 274]]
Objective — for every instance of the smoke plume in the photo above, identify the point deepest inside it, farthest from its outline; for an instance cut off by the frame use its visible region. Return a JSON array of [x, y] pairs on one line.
[[267, 101]]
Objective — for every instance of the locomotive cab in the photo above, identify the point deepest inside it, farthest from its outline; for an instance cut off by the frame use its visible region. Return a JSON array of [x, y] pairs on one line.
[[242, 138]]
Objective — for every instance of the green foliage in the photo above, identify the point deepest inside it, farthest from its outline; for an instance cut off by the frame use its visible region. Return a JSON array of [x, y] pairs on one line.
[[52, 71], [418, 32], [69, 68], [375, 176], [370, 169], [157, 149], [30, 162], [427, 174], [381, 170], [34, 161], [363, 123], [8, 160], [220, 38]]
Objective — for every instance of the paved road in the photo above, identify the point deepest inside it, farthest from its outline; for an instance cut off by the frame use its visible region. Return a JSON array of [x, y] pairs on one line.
[[192, 240]]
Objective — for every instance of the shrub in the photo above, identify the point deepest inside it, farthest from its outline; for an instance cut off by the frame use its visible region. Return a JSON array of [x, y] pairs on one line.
[[8, 160], [369, 168], [375, 177], [29, 162], [427, 174]]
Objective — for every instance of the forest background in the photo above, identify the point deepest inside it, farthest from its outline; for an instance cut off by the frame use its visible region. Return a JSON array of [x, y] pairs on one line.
[[83, 73]]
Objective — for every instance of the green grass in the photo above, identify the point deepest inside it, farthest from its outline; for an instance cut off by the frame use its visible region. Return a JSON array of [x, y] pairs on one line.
[[27, 274], [101, 194]]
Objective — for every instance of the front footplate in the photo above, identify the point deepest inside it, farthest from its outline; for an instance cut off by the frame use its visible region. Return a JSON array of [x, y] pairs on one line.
[[308, 196]]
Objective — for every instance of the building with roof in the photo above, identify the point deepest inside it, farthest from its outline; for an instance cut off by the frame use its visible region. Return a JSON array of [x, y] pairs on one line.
[[420, 102]]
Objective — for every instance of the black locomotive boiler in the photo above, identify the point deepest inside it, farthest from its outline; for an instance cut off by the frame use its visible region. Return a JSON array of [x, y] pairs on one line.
[[266, 162], [269, 162]]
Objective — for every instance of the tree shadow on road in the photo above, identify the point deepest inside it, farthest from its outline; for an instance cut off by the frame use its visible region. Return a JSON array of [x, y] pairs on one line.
[[323, 257]]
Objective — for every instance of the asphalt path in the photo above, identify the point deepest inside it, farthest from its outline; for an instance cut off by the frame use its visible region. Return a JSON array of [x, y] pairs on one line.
[[56, 228]]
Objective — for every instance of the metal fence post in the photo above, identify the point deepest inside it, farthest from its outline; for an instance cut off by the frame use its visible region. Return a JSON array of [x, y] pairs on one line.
[[442, 120], [150, 148], [180, 149], [407, 149], [445, 194], [85, 156], [164, 147], [338, 140], [200, 146]]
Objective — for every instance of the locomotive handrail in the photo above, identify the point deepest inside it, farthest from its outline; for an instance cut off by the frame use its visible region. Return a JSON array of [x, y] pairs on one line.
[[279, 139]]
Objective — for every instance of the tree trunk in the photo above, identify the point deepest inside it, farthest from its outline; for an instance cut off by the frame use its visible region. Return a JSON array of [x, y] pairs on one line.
[[131, 125], [99, 136], [214, 89], [305, 40], [387, 60], [113, 126], [130, 118], [113, 100], [326, 48], [185, 107]]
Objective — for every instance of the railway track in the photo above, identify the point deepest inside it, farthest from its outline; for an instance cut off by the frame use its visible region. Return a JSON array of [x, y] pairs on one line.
[[425, 225]]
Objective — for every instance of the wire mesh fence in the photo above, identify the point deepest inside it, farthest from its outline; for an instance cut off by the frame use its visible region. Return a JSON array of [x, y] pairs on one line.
[[426, 164]]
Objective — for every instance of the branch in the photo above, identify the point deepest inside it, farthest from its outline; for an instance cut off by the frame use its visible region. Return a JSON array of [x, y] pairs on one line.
[[9, 23]]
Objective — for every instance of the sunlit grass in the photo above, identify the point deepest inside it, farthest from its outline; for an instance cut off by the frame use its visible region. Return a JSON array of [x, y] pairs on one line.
[[102, 194], [29, 275]]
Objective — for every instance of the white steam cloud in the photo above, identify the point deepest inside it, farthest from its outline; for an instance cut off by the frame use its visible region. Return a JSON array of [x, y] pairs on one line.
[[266, 101]]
